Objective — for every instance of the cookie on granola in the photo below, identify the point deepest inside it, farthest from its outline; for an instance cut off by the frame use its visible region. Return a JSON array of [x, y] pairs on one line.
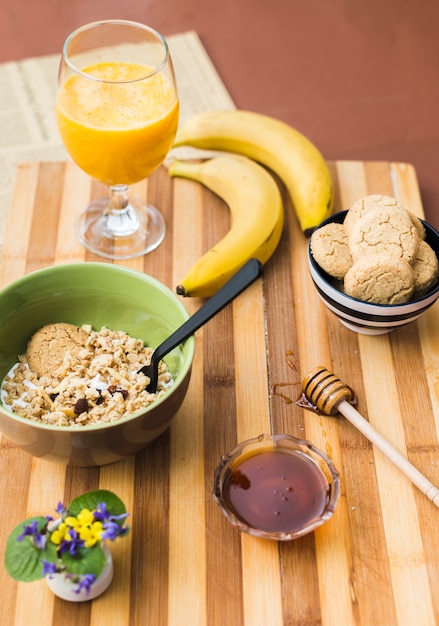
[[47, 347]]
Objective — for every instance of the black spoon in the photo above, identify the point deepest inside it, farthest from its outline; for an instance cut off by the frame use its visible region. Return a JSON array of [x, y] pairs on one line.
[[234, 286]]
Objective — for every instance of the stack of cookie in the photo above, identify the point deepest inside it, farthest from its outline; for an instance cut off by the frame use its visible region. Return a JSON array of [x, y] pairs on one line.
[[379, 253]]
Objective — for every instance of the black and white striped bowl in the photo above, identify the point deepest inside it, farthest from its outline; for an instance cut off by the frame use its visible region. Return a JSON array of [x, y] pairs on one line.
[[363, 317]]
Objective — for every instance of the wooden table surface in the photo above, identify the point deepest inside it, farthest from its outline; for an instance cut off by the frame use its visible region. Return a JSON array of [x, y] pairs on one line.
[[376, 562]]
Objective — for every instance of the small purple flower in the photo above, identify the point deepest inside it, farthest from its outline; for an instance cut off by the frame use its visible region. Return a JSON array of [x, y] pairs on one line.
[[60, 508], [71, 545], [111, 531], [124, 530], [29, 530], [40, 541], [48, 568], [101, 514], [85, 583]]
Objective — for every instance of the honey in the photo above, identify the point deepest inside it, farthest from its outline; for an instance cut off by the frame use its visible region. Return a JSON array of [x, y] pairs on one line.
[[276, 490]]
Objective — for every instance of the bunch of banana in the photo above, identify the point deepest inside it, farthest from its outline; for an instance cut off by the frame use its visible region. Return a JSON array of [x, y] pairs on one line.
[[286, 151], [257, 219]]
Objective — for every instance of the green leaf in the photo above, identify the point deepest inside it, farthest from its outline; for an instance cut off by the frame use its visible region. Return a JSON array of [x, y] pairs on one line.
[[85, 561], [23, 560], [91, 499]]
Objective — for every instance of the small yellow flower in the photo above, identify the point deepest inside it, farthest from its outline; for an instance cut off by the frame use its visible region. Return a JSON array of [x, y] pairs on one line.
[[91, 534], [59, 534], [84, 524], [85, 517], [71, 521]]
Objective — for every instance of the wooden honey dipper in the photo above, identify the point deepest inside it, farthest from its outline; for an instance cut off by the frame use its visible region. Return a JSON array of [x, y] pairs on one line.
[[330, 396]]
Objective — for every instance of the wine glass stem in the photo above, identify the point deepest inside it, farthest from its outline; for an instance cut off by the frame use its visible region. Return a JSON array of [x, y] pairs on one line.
[[120, 218]]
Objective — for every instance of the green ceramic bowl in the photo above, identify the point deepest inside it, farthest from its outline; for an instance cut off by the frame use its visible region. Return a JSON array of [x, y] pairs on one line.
[[99, 294]]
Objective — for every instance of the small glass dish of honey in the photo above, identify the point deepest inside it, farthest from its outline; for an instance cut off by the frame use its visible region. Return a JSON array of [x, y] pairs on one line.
[[276, 487]]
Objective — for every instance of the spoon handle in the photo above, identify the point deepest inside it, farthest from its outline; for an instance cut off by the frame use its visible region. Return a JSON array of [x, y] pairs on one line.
[[228, 292]]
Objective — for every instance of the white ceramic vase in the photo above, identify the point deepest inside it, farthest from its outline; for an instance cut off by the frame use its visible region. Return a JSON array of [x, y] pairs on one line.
[[63, 587]]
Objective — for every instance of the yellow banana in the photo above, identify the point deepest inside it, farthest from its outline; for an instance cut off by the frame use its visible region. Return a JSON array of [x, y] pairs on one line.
[[283, 149], [257, 219]]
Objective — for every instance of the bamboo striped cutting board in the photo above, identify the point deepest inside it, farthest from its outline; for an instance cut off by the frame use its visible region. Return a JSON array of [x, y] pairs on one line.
[[375, 563]]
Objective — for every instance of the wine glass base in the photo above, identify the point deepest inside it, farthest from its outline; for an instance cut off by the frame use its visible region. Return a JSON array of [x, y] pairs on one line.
[[120, 234]]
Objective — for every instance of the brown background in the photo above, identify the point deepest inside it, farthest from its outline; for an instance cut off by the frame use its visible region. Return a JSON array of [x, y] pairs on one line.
[[360, 78]]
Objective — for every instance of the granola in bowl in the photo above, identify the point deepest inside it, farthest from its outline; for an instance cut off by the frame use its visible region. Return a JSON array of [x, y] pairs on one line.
[[91, 380]]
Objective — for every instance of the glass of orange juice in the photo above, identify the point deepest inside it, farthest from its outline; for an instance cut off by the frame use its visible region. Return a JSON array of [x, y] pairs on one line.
[[117, 111]]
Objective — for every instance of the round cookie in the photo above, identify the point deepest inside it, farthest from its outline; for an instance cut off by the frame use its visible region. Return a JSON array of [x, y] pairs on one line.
[[370, 203], [425, 269], [418, 225], [384, 231], [330, 249], [380, 279], [48, 345]]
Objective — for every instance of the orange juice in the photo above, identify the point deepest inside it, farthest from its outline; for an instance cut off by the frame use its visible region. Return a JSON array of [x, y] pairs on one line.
[[117, 132]]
